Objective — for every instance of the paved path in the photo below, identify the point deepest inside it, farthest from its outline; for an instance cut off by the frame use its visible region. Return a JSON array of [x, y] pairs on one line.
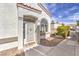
[[68, 47], [65, 48]]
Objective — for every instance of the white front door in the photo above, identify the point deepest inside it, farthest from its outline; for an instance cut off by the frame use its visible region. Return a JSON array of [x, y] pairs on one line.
[[30, 31]]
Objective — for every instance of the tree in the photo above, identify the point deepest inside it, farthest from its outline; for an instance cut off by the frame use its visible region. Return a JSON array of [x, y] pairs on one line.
[[77, 22], [63, 30]]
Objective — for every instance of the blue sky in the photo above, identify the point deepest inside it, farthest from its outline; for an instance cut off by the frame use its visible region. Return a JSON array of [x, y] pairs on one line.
[[64, 12]]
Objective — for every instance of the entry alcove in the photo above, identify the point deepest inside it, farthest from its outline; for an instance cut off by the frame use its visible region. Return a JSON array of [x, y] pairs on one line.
[[29, 30]]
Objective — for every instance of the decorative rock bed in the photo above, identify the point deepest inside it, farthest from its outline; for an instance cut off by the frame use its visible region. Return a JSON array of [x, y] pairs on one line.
[[53, 41]]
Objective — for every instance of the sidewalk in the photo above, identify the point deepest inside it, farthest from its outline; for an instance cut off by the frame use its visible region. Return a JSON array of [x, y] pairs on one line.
[[62, 49]]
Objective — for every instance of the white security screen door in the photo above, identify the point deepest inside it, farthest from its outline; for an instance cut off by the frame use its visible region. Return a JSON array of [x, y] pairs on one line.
[[30, 31]]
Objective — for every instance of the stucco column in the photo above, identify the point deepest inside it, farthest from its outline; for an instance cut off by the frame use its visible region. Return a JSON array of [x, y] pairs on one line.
[[49, 27], [37, 31], [34, 33], [20, 34]]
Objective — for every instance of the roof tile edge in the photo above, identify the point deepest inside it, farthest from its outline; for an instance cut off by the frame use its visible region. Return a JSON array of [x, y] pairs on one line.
[[28, 7]]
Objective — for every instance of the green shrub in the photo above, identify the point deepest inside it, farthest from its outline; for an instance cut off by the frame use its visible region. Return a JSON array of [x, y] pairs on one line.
[[77, 23], [63, 31]]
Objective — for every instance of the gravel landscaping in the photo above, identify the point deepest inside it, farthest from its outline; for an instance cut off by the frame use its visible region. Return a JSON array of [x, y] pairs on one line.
[[53, 42]]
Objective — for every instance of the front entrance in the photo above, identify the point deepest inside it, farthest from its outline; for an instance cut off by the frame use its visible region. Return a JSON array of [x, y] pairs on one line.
[[43, 28], [29, 30]]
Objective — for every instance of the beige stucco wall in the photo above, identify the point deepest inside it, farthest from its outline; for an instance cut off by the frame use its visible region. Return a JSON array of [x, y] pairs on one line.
[[40, 17], [22, 12], [8, 20]]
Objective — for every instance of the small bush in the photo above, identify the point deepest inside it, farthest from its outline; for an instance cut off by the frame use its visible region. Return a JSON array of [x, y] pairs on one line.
[[63, 31]]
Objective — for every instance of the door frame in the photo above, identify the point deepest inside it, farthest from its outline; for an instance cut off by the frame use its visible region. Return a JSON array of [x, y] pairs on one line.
[[28, 18]]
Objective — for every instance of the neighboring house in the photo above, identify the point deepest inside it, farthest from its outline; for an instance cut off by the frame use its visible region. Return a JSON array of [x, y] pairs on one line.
[[72, 26], [54, 26], [77, 28], [25, 23]]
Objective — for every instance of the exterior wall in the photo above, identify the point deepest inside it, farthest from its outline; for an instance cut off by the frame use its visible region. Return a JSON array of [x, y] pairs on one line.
[[55, 26], [40, 17], [11, 24], [52, 29], [44, 15], [8, 20], [22, 12], [8, 25]]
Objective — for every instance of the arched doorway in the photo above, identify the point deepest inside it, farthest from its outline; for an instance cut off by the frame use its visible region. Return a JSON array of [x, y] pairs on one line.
[[43, 28]]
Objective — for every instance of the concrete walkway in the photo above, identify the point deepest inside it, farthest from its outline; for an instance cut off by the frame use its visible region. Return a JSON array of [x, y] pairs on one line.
[[68, 47], [65, 48]]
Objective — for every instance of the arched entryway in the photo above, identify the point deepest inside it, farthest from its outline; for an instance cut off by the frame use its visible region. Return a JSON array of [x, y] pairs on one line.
[[43, 28]]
